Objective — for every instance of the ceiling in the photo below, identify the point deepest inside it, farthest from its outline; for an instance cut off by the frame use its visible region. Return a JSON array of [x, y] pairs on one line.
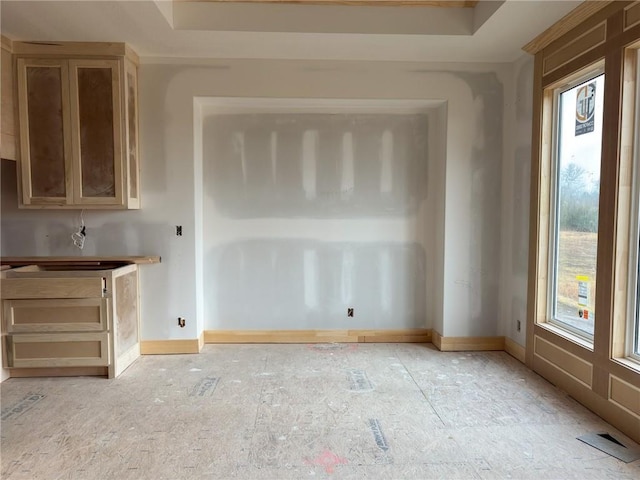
[[490, 31], [431, 3]]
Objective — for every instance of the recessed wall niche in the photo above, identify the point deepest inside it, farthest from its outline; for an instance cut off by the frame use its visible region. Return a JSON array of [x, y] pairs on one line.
[[311, 207]]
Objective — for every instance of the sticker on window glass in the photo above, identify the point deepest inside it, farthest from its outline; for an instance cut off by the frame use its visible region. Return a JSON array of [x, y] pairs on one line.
[[583, 290], [585, 108], [583, 296]]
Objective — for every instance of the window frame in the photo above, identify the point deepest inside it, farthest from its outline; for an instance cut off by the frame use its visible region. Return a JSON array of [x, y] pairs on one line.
[[583, 76], [599, 375], [632, 333]]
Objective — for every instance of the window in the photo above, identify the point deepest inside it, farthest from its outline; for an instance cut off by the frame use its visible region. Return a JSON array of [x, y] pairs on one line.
[[574, 229], [633, 324], [584, 244]]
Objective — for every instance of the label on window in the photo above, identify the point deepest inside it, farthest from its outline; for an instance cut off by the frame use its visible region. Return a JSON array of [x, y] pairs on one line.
[[585, 108], [583, 290]]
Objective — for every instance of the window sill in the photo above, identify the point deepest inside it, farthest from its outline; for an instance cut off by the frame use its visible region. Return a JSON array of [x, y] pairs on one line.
[[628, 362], [581, 342]]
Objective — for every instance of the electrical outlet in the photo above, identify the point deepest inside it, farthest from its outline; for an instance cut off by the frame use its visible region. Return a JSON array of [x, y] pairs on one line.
[[178, 230], [349, 312], [518, 326], [182, 322]]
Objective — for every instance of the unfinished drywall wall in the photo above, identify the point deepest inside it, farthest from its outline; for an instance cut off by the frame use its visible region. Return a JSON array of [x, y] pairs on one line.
[[309, 214], [465, 234], [515, 202], [472, 211], [315, 165]]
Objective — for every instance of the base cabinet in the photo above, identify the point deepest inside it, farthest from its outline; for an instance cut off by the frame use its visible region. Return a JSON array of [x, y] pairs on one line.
[[58, 318]]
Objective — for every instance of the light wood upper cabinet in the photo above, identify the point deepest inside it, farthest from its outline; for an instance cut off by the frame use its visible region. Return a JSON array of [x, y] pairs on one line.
[[78, 127]]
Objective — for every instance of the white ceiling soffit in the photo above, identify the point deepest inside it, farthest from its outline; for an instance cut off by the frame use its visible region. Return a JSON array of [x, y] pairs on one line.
[[489, 32], [297, 18], [246, 105]]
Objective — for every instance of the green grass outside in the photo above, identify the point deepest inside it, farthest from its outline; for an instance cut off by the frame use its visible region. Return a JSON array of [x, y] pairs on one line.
[[577, 256]]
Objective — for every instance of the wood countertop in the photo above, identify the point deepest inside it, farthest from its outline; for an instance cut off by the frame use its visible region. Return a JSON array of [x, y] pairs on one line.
[[21, 261]]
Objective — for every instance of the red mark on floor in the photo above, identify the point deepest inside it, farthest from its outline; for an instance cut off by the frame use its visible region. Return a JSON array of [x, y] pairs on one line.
[[328, 460]]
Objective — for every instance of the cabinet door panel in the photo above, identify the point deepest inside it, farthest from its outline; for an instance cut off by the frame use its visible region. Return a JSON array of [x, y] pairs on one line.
[[7, 124], [96, 132], [131, 105], [95, 100], [42, 93], [125, 312]]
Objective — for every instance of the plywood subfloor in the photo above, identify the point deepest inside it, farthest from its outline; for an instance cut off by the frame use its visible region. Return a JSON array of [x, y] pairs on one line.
[[303, 411]]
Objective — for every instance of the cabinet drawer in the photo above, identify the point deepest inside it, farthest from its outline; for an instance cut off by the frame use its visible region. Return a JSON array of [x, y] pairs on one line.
[[56, 315], [57, 350], [62, 287]]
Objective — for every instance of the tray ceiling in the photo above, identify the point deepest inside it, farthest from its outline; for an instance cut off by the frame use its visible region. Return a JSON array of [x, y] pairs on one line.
[[484, 31]]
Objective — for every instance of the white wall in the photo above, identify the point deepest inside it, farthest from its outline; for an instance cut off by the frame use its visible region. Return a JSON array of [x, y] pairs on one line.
[[308, 213], [466, 234], [473, 221], [515, 201]]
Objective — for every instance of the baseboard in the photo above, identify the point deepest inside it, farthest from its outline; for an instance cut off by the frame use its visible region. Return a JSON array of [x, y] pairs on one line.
[[436, 339], [417, 335], [59, 372], [514, 349], [164, 347], [467, 344]]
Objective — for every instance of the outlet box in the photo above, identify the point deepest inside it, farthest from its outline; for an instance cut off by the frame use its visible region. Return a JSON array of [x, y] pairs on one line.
[[349, 312], [182, 322]]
